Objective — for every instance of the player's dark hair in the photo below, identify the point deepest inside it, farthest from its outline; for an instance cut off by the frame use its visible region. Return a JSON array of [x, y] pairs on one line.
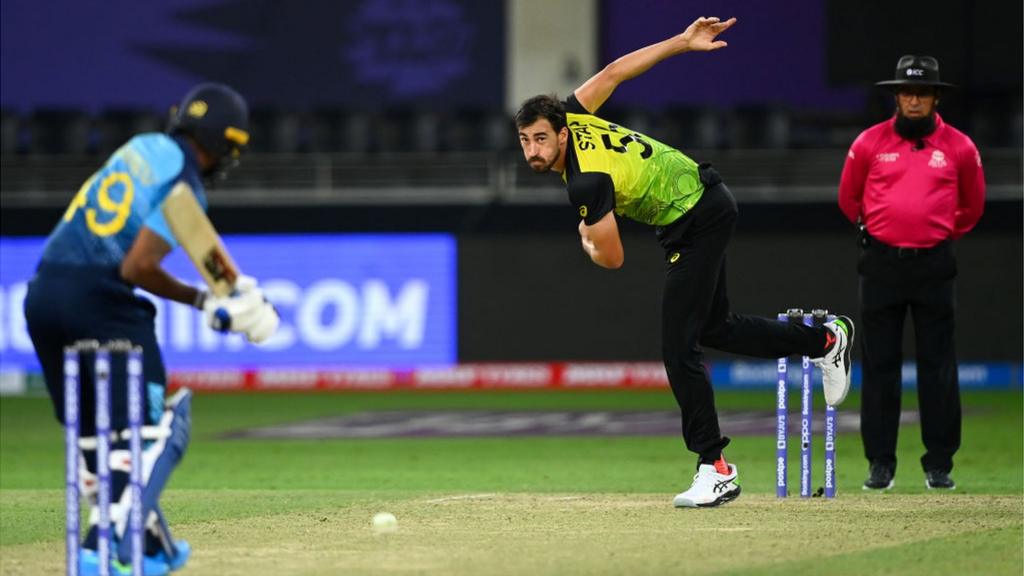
[[546, 106]]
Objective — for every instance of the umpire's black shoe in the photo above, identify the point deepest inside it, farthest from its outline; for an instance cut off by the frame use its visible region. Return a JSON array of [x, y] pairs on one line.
[[938, 480], [881, 477]]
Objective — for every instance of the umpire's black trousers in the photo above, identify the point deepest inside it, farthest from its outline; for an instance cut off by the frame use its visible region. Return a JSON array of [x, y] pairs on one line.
[[695, 313], [891, 281]]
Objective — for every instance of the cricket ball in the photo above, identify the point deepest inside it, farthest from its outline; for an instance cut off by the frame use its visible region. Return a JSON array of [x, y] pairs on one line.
[[384, 523]]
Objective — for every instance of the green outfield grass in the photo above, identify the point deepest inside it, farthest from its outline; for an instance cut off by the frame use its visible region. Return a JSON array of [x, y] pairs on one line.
[[531, 505]]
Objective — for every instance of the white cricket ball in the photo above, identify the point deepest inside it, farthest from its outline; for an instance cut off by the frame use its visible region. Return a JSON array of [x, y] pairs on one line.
[[385, 523]]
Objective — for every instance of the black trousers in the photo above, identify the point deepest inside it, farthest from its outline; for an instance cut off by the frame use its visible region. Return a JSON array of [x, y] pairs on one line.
[[695, 314], [890, 283]]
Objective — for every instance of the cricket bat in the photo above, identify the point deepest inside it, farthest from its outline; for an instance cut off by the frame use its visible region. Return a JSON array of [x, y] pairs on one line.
[[197, 236]]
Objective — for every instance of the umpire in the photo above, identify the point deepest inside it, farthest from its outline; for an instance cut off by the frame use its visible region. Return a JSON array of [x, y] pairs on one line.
[[915, 185]]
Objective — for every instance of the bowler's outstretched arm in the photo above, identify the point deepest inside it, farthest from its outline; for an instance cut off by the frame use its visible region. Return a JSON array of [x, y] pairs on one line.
[[698, 37]]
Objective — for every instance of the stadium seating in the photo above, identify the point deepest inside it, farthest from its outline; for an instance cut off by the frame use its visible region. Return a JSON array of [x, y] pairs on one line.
[[412, 130]]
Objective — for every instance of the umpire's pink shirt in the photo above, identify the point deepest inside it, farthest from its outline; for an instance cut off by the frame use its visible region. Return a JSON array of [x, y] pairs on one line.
[[910, 197]]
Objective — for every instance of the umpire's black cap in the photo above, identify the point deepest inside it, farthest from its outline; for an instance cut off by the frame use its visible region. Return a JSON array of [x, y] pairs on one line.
[[216, 116], [915, 71]]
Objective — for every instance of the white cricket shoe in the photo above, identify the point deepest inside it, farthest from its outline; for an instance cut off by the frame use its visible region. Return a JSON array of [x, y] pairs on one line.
[[709, 488], [835, 365]]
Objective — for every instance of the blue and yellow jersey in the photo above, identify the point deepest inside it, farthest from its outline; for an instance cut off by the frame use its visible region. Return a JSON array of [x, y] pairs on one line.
[[124, 195]]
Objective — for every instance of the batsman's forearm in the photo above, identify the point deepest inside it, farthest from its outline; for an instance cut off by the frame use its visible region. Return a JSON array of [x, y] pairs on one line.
[[155, 280]]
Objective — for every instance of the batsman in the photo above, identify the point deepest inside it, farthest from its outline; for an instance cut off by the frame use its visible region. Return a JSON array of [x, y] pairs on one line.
[[111, 240], [611, 171]]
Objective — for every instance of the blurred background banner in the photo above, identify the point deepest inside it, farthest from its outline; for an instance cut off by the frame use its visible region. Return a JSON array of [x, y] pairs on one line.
[[775, 56], [292, 55], [380, 300]]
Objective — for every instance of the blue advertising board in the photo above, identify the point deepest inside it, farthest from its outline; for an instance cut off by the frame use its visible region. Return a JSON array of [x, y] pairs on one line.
[[742, 374], [374, 300]]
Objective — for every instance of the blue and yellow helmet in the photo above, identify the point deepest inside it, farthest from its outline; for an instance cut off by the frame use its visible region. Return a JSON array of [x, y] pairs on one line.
[[216, 117]]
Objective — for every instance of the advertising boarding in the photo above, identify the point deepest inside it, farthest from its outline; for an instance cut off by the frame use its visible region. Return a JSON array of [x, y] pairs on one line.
[[356, 300]]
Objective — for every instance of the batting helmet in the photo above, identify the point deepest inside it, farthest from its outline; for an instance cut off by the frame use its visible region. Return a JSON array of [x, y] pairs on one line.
[[217, 118]]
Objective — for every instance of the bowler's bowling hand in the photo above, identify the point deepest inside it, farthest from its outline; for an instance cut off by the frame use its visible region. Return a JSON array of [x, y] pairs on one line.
[[700, 36]]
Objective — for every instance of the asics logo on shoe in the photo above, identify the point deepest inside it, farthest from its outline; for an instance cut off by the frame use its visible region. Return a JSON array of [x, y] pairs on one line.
[[839, 356], [721, 485]]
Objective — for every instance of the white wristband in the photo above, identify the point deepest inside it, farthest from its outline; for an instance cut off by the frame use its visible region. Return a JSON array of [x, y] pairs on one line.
[[200, 299]]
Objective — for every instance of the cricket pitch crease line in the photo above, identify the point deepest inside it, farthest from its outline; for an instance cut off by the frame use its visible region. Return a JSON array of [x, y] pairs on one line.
[[462, 497]]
